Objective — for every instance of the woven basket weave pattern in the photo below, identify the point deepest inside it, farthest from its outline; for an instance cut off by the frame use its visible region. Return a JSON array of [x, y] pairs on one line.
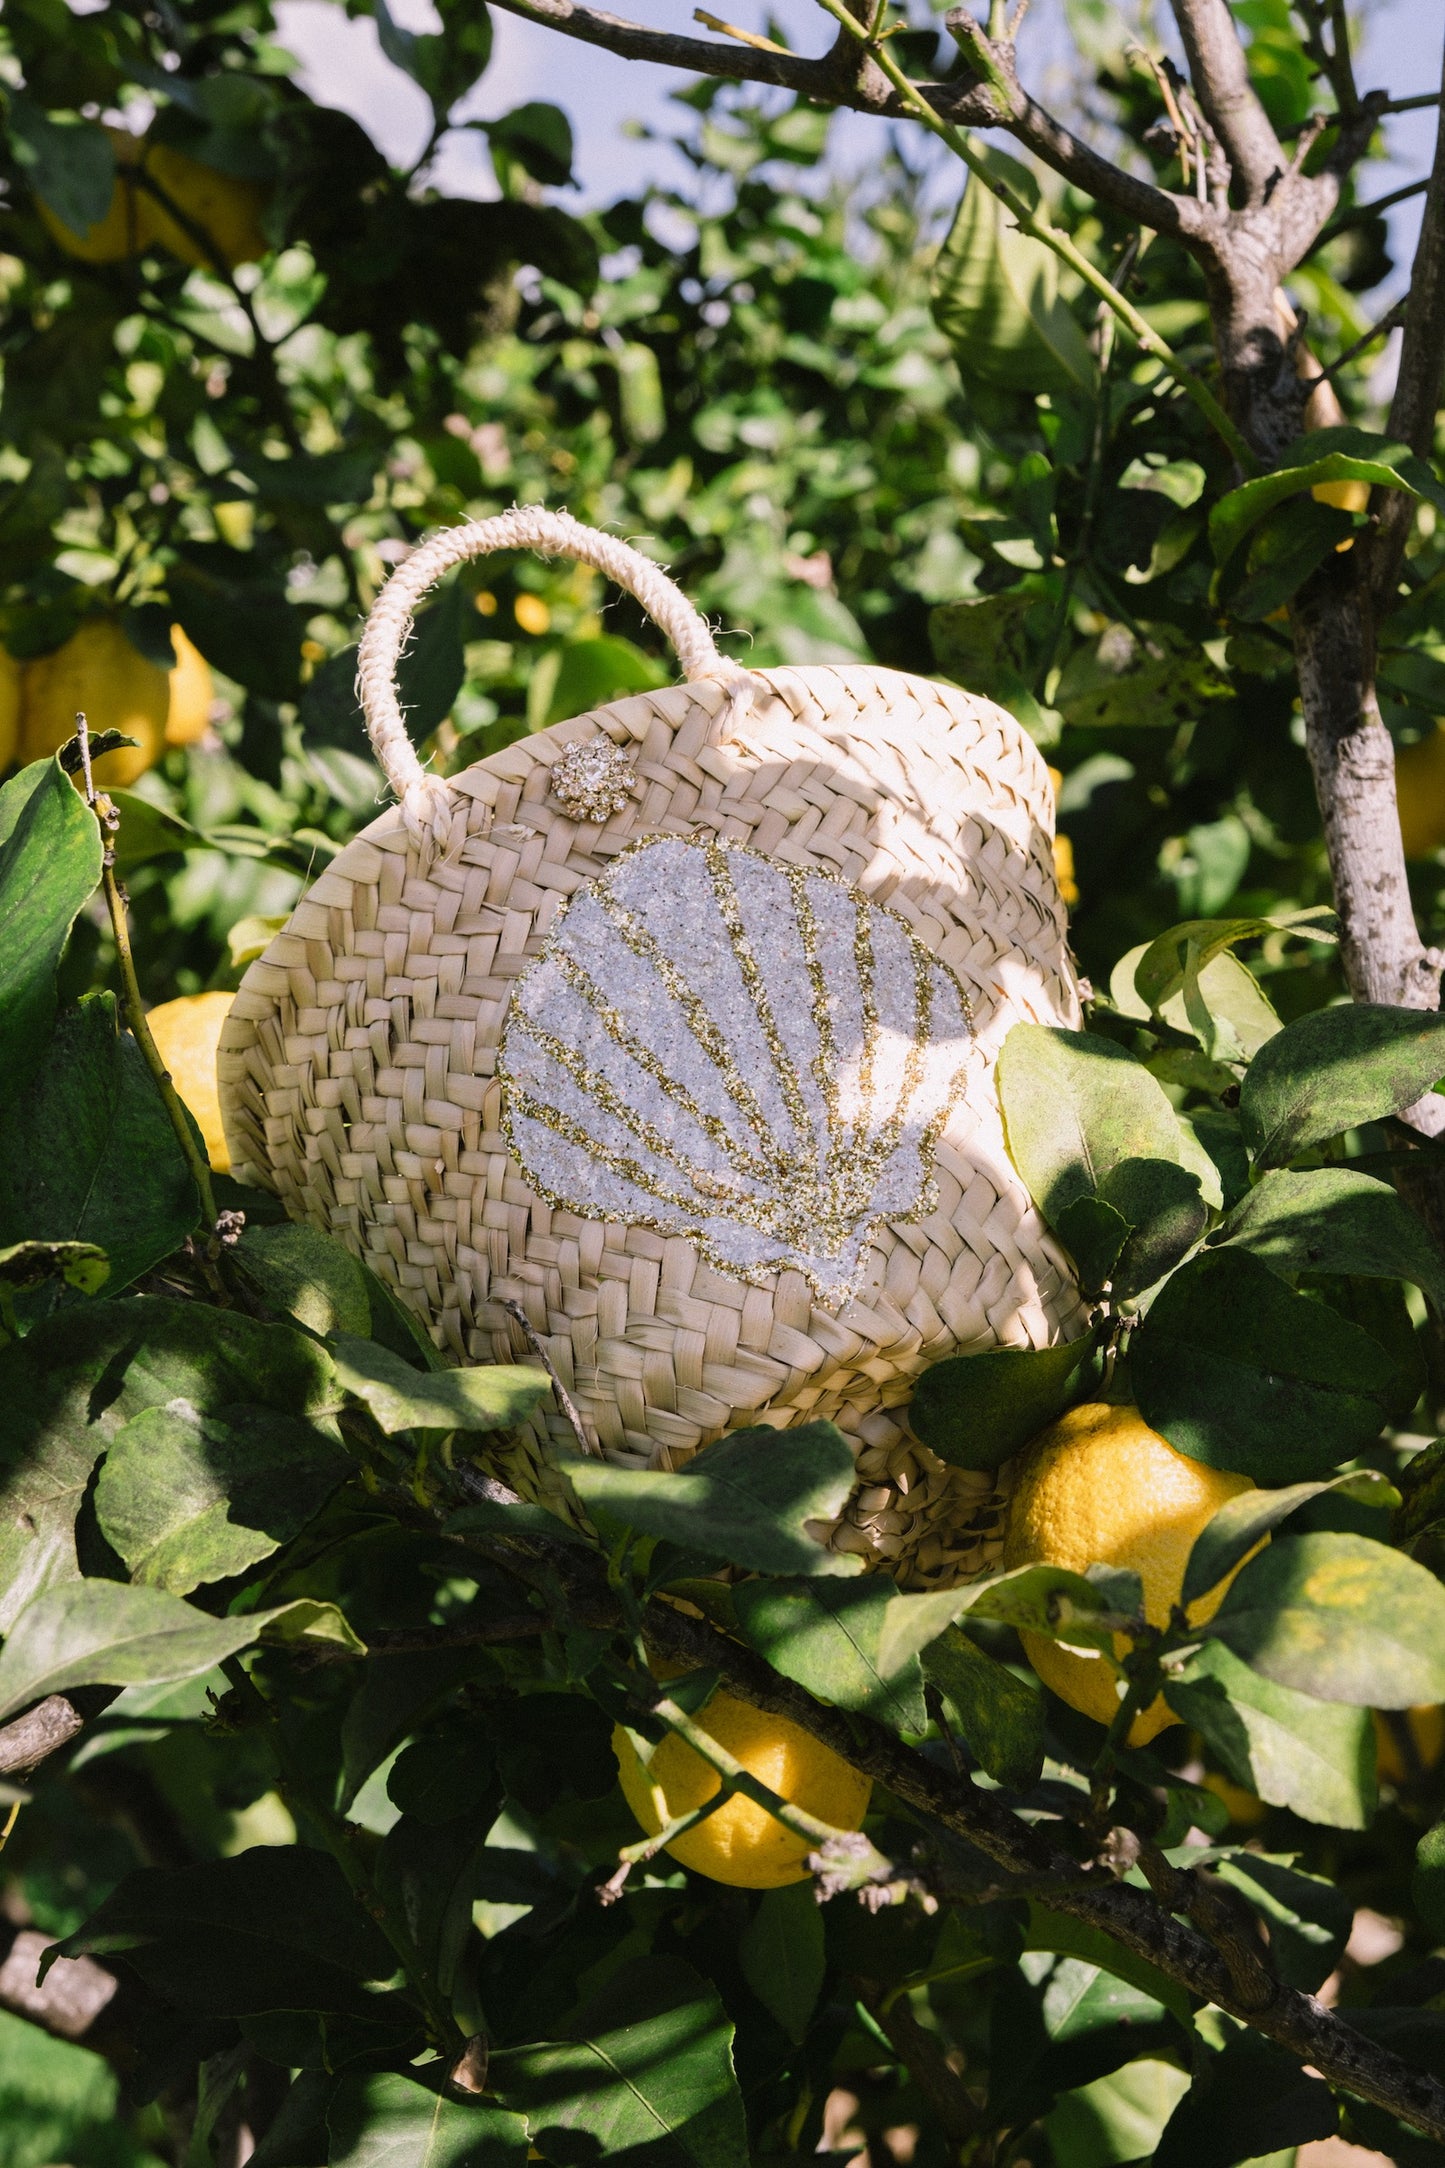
[[358, 1071]]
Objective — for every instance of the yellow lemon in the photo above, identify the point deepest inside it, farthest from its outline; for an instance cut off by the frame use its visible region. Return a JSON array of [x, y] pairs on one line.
[[187, 1031], [1099, 1487], [1063, 852], [12, 677], [118, 688], [189, 713], [1345, 497], [1420, 793], [117, 234], [1246, 1809], [1426, 1727], [227, 210], [740, 1843]]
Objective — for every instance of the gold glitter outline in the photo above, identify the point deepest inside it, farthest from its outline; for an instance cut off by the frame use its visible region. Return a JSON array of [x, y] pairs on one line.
[[861, 1226]]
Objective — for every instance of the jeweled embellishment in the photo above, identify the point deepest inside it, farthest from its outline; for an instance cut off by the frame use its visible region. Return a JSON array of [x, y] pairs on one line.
[[753, 1054], [592, 781]]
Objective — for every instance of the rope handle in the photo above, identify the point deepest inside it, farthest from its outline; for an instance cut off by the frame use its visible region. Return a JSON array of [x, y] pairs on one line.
[[425, 799]]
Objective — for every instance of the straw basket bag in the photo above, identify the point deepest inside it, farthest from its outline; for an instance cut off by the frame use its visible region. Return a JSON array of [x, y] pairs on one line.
[[674, 1025]]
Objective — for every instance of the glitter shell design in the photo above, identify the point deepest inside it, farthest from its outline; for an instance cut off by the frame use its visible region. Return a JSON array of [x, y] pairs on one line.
[[718, 1044]]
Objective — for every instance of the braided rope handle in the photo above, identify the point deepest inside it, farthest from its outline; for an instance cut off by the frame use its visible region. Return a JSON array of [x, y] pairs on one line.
[[425, 799]]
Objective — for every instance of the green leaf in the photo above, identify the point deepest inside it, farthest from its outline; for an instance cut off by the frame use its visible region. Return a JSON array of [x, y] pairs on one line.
[[1427, 1884], [1340, 454], [1165, 1214], [1238, 1012], [996, 295], [1251, 2099], [380, 2119], [1340, 1617], [1095, 1234], [1234, 1369], [433, 669], [1071, 1937], [1158, 973], [591, 672], [491, 1397], [148, 831], [69, 163], [782, 1957], [1041, 1599], [539, 137], [1334, 1069], [1315, 1757], [427, 1874], [1335, 1220], [746, 1498], [308, 1275], [1244, 1521], [1000, 1716], [101, 1633], [79, 1264], [989, 644], [975, 1411], [91, 1155], [1076, 1106], [1119, 2117], [644, 2073], [1309, 1920], [185, 1498], [1159, 687], [1283, 550], [148, 1352], [276, 1928], [50, 853], [826, 1635]]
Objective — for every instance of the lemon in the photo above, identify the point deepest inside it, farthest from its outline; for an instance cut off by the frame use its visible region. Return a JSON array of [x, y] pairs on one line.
[[118, 688], [227, 210], [1427, 1731], [1063, 852], [11, 680], [1099, 1487], [187, 1032], [1420, 793], [741, 1843], [1344, 496], [189, 714]]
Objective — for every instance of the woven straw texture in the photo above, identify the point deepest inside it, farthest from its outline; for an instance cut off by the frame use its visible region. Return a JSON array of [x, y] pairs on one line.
[[359, 1078]]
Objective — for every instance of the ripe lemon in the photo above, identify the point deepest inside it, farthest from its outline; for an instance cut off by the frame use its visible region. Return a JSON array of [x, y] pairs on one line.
[[1420, 792], [1099, 1487], [11, 679], [226, 209], [189, 714], [1064, 853], [740, 1843], [187, 1031], [118, 688]]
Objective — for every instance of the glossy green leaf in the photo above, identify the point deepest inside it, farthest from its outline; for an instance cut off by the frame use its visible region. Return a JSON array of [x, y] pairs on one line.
[[1315, 1757], [1075, 1106], [590, 672], [148, 831], [1334, 1069], [1041, 1599], [50, 854], [1242, 1014], [1161, 1205], [492, 1397], [1427, 1884], [996, 295], [102, 1633], [80, 1264], [1119, 2117], [1157, 976], [69, 163], [186, 1499], [382, 2119], [1252, 2098], [1334, 1219], [1095, 1234], [91, 1154], [1243, 1521], [975, 1411], [1340, 1617], [1308, 1918], [782, 1956], [276, 1928], [1234, 1369], [998, 1714], [1060, 1931], [827, 1636], [644, 2073], [307, 1275], [747, 1498], [150, 1352], [1281, 552], [1339, 454]]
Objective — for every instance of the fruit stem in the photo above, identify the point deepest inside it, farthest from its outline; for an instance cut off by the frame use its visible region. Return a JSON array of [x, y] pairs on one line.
[[135, 1015], [637, 1855]]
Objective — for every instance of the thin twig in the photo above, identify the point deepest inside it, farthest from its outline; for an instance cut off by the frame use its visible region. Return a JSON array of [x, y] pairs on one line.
[[564, 1399]]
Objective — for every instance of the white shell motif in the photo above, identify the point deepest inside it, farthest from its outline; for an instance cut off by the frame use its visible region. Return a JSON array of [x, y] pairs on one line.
[[717, 1044]]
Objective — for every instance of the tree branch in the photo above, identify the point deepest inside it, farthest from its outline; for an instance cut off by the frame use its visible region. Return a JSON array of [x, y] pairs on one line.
[[26, 1742], [1220, 76], [1417, 388]]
